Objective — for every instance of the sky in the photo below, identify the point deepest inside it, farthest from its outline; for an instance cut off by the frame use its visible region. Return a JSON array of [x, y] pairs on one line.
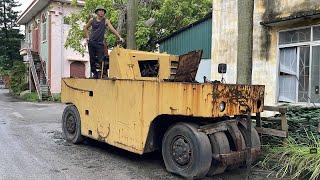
[[24, 5]]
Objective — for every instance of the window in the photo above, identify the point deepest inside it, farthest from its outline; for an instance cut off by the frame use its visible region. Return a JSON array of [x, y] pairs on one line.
[[299, 77], [43, 27], [315, 80], [288, 74], [304, 59], [316, 33], [29, 34], [295, 36]]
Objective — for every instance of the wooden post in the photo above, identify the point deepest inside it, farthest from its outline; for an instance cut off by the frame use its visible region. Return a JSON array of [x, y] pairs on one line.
[[284, 121], [102, 69], [258, 120]]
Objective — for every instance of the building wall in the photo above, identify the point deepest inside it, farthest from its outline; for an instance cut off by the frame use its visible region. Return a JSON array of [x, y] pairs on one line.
[[61, 58], [70, 55], [265, 39]]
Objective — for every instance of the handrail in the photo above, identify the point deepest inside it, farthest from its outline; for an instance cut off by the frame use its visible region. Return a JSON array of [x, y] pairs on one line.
[[34, 73], [46, 76]]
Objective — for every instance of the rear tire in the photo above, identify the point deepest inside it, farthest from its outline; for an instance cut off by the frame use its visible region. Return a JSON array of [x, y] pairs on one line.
[[243, 147], [255, 139], [220, 145], [186, 151], [71, 125]]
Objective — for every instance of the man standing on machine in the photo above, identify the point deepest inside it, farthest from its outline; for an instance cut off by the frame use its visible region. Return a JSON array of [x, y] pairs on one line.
[[95, 40]]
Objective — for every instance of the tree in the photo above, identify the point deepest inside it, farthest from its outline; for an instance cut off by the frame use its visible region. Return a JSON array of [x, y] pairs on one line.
[[169, 16], [9, 34]]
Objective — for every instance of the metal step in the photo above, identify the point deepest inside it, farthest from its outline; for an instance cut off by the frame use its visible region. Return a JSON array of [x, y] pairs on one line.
[[39, 75]]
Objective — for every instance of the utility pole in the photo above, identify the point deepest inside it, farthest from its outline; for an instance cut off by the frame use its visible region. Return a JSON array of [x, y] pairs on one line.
[[245, 38], [244, 63], [132, 19]]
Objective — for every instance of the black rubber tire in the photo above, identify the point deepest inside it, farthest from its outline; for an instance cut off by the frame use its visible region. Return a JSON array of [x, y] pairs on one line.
[[255, 139], [220, 145], [236, 166], [200, 150], [71, 111]]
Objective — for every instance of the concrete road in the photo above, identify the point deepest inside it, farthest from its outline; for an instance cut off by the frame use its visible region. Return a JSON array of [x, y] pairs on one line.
[[32, 147]]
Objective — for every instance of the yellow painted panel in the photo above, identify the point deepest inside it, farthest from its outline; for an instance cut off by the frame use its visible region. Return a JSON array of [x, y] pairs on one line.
[[121, 111], [124, 64]]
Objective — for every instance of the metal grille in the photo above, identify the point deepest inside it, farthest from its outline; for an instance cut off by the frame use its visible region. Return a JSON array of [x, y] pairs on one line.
[[304, 66], [295, 36], [315, 75]]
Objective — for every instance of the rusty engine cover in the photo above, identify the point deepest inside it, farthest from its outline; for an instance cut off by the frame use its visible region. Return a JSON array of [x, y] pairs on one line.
[[188, 66], [239, 99]]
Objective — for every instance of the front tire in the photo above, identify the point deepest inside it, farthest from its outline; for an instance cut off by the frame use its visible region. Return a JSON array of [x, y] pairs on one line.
[[71, 125], [186, 151]]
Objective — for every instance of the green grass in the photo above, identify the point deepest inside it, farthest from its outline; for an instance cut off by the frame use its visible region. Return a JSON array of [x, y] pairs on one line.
[[294, 159], [56, 97], [31, 97]]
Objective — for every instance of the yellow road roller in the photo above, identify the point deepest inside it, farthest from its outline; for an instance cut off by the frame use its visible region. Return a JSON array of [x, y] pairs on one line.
[[151, 101]]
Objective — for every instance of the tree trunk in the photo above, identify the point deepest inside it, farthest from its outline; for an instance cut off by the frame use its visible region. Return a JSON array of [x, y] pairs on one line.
[[121, 20], [245, 40], [132, 19], [5, 28]]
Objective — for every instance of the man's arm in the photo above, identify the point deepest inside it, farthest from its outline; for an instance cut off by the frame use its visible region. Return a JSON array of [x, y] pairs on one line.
[[86, 28], [113, 30]]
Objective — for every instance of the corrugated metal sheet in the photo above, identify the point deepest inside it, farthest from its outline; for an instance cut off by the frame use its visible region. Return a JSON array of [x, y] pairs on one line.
[[194, 38]]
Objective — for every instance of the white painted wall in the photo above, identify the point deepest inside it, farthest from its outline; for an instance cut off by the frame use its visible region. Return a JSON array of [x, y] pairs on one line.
[[61, 58], [265, 51]]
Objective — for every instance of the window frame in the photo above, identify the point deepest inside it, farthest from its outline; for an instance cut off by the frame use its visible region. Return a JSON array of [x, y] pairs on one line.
[[44, 29], [311, 44], [312, 37], [296, 29]]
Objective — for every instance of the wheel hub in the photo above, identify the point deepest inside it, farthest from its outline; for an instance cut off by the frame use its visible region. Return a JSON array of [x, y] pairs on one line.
[[71, 124], [181, 151]]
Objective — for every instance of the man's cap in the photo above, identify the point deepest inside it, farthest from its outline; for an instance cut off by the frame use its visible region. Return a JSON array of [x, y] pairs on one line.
[[100, 8]]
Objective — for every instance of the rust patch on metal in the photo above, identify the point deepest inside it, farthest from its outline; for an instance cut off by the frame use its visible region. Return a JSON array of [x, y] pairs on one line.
[[239, 99], [236, 157], [188, 66]]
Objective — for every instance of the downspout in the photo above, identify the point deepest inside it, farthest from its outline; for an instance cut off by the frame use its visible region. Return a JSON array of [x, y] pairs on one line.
[[62, 38], [49, 49]]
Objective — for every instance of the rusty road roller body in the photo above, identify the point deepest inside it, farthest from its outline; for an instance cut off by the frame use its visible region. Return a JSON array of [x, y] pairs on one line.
[[150, 102]]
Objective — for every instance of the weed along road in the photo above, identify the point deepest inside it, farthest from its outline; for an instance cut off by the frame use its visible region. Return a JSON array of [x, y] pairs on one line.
[[32, 147]]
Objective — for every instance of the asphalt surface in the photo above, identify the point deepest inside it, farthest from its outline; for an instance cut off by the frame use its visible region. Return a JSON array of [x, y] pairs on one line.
[[32, 147]]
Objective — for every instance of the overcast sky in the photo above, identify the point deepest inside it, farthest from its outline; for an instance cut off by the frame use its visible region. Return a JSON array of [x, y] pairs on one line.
[[24, 5]]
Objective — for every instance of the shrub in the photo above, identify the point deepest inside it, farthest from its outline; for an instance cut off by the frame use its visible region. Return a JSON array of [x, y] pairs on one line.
[[31, 97], [56, 97], [18, 77]]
